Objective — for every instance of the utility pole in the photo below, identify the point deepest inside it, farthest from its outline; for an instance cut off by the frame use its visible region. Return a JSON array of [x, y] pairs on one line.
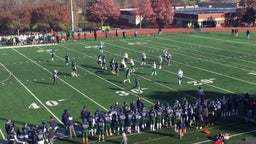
[[72, 15]]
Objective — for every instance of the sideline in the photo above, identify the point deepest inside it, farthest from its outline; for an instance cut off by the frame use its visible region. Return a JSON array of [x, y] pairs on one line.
[[24, 46]]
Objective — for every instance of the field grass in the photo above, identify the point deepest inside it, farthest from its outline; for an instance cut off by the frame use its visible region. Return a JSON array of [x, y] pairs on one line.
[[223, 65]]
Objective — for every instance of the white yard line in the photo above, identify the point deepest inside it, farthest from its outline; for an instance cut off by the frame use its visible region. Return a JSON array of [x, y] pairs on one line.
[[23, 46], [2, 134], [63, 81], [32, 94]]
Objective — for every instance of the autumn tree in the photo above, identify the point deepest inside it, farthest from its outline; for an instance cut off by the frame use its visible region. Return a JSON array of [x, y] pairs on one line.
[[163, 12], [51, 15], [247, 14], [102, 10], [143, 9], [22, 17]]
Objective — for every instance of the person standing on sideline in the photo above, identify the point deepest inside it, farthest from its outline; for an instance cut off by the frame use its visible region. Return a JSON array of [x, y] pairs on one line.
[[116, 33], [180, 75], [153, 69], [71, 128], [55, 75], [200, 93], [124, 34], [247, 34]]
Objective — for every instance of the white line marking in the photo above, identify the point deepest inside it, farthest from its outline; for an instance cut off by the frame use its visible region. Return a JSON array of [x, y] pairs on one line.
[[32, 94], [2, 134]]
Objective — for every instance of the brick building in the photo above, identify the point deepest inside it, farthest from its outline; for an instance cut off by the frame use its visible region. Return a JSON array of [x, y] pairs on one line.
[[206, 14]]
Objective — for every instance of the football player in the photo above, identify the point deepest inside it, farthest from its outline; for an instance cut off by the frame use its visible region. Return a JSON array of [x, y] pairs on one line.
[[127, 76], [180, 75], [153, 69]]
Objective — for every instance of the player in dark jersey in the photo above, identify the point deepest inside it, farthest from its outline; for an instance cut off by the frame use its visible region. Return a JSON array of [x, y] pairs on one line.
[[74, 69], [121, 127], [108, 120], [127, 76], [67, 59], [85, 132], [128, 122], [52, 54], [100, 128], [136, 119], [152, 115], [137, 82]]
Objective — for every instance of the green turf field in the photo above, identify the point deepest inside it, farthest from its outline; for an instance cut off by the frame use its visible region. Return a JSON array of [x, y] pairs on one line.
[[218, 62]]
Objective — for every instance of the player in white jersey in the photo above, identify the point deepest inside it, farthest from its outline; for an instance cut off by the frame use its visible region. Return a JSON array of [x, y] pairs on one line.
[[153, 69], [160, 60], [126, 57], [143, 60], [123, 64], [101, 47], [55, 75], [180, 75], [132, 65]]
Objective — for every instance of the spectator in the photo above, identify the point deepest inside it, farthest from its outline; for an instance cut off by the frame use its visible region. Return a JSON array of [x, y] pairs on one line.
[[116, 33], [140, 104], [53, 124], [71, 128], [84, 114], [200, 93], [124, 34], [64, 119], [8, 126]]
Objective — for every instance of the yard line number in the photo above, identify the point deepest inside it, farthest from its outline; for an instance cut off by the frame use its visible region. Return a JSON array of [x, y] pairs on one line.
[[126, 93], [50, 103], [201, 82]]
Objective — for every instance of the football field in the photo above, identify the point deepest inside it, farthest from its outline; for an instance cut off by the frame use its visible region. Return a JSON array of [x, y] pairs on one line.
[[223, 65]]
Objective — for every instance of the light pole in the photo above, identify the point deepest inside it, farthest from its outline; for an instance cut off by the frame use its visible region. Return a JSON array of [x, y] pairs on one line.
[[72, 15]]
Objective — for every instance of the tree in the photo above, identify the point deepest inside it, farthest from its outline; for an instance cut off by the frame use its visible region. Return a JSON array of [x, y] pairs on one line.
[[51, 15], [163, 12], [143, 9], [22, 17], [102, 10], [247, 13]]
